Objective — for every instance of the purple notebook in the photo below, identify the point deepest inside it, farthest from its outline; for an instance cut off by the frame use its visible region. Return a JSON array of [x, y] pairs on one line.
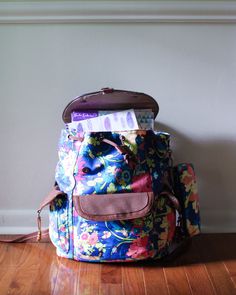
[[83, 115]]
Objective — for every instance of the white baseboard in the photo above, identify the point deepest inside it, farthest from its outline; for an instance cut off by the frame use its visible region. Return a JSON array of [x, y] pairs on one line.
[[218, 221], [21, 221], [24, 221], [218, 228]]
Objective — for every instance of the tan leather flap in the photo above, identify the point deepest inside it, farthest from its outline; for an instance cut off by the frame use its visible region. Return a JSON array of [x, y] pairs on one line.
[[113, 206]]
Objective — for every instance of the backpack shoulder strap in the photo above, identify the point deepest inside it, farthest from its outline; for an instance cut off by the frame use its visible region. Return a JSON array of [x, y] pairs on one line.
[[32, 237], [39, 234]]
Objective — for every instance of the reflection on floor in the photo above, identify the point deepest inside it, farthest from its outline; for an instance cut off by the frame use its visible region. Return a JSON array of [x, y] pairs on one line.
[[209, 267]]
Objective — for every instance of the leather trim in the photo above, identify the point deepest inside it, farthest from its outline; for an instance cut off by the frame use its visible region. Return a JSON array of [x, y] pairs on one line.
[[31, 238], [50, 197], [110, 207]]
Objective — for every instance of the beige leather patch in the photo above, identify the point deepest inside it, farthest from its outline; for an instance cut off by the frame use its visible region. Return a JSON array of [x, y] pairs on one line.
[[109, 207]]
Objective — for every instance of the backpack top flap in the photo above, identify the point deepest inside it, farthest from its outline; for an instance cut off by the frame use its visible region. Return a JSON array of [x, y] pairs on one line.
[[110, 99]]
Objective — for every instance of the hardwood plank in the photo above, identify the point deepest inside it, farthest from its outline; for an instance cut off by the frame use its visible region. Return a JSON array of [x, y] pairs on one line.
[[175, 275], [197, 274], [111, 289], [231, 266], [111, 274], [32, 255], [133, 280], [2, 250], [212, 252], [199, 280], [111, 279], [12, 255], [230, 259], [89, 278], [221, 280], [67, 276], [209, 267], [177, 282], [228, 243], [27, 270], [10, 261], [45, 280], [6, 277], [154, 279], [233, 278], [22, 281]]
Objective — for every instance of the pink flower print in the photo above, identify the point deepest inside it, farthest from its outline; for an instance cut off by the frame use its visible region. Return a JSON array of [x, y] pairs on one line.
[[138, 248], [80, 163], [63, 242], [93, 238], [62, 228], [84, 236], [188, 176], [189, 180]]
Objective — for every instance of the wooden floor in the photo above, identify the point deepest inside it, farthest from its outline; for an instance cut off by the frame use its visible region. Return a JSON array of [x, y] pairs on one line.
[[209, 267]]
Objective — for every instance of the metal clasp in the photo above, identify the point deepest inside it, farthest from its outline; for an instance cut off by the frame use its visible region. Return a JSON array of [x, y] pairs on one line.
[[107, 90]]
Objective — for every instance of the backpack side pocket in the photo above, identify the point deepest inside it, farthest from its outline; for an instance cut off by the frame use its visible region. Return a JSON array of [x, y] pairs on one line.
[[186, 191], [59, 225]]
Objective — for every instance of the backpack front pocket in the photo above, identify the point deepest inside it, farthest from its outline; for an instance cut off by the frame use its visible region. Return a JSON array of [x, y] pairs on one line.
[[118, 240]]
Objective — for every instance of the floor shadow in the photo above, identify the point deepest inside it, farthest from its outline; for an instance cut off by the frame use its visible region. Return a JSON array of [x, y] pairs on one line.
[[205, 248]]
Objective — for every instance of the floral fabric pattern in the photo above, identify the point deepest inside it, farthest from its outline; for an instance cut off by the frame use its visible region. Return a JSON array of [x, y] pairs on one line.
[[92, 166], [60, 217], [188, 196]]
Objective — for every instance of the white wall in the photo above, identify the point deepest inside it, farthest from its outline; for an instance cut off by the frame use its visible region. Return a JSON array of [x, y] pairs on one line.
[[190, 69]]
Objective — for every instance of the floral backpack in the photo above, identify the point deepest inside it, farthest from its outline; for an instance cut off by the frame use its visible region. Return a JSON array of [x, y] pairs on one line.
[[117, 195]]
